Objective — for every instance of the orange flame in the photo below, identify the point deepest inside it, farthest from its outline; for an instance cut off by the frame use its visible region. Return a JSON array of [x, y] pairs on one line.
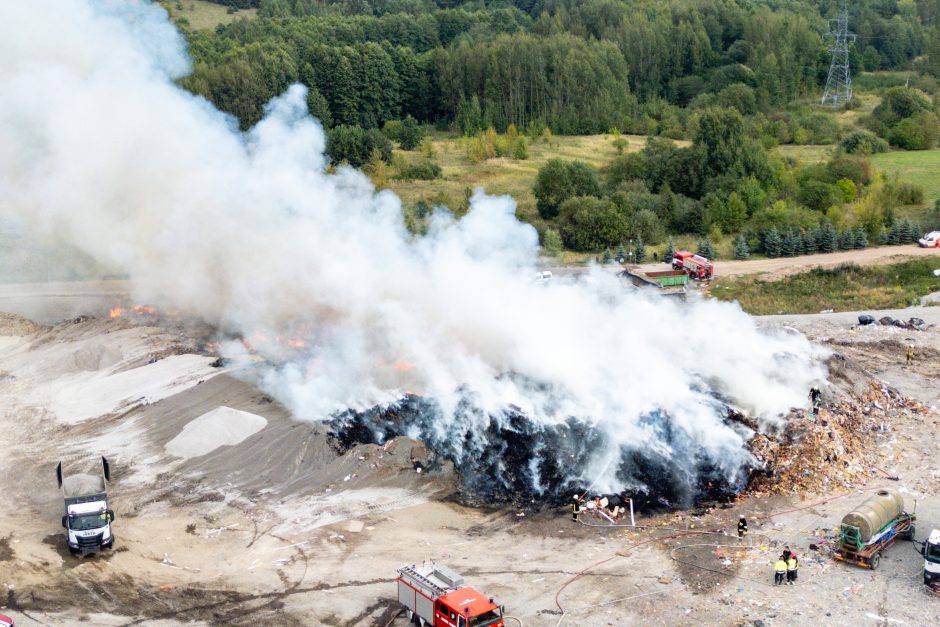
[[140, 310], [403, 366]]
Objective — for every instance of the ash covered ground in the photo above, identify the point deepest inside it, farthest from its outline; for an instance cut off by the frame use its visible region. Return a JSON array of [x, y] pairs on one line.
[[230, 512]]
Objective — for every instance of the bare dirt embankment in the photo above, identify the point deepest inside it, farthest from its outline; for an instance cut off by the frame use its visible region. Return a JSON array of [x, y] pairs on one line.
[[262, 522]]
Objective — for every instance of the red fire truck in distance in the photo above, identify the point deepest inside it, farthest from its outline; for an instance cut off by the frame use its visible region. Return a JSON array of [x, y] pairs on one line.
[[696, 266]]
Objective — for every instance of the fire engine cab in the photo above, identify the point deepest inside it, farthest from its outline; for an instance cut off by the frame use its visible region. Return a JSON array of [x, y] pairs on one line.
[[435, 595], [696, 266]]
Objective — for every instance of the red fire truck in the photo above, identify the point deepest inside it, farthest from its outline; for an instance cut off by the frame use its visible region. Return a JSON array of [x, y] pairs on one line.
[[435, 595], [696, 266]]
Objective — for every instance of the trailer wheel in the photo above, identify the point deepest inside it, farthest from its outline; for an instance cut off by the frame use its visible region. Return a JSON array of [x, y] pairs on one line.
[[910, 533], [875, 560]]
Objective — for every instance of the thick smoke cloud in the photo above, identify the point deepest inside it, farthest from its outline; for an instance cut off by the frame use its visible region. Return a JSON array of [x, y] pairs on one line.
[[99, 148]]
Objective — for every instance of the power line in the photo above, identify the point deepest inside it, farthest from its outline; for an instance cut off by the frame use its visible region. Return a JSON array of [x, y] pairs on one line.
[[839, 83]]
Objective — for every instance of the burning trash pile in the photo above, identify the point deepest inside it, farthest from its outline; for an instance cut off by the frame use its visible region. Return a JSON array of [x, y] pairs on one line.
[[510, 457], [837, 449]]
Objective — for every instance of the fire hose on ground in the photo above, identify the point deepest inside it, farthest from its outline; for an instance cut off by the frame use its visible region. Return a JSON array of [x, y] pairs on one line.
[[679, 533]]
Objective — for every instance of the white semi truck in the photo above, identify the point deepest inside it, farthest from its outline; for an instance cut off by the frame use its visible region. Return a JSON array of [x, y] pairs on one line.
[[87, 519]]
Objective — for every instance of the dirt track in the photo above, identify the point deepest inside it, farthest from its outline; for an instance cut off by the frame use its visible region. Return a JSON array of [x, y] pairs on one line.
[[783, 266]]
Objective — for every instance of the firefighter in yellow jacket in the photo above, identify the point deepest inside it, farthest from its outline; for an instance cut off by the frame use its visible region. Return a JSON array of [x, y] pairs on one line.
[[780, 570], [792, 565]]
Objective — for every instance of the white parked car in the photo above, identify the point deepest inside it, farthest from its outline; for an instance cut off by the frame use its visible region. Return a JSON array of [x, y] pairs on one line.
[[930, 240], [543, 276]]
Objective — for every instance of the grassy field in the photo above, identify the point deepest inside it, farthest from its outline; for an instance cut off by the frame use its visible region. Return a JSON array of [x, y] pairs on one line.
[[846, 288], [806, 154], [201, 14], [921, 167], [504, 175]]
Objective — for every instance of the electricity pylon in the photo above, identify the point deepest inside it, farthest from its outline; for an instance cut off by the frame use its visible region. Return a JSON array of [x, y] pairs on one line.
[[839, 84]]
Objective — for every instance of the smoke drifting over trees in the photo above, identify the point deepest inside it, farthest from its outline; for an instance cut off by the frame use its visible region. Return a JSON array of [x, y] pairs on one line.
[[101, 149]]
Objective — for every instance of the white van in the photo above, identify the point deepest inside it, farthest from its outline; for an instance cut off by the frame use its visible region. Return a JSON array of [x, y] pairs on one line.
[[930, 240]]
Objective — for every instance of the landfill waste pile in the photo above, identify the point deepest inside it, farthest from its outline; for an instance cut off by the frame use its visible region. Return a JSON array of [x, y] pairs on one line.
[[913, 324], [513, 458], [838, 448]]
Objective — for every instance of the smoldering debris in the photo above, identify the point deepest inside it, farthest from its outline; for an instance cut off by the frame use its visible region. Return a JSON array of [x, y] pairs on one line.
[[839, 448], [510, 457]]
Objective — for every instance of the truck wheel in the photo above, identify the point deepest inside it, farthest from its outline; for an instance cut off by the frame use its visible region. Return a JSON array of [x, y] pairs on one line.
[[875, 560], [73, 550], [910, 533], [109, 545]]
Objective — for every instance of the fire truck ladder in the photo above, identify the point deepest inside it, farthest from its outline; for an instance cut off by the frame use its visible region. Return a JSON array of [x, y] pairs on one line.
[[414, 574]]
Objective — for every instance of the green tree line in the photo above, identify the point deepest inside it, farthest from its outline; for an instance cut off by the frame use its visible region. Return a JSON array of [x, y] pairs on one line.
[[571, 65]]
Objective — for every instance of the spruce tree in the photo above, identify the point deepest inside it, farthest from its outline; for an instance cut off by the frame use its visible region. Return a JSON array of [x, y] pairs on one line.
[[621, 254], [828, 238], [797, 239], [883, 237], [706, 248], [670, 252], [861, 240], [772, 243], [740, 248], [809, 242], [908, 232], [786, 245], [846, 240], [640, 251], [605, 259], [894, 235]]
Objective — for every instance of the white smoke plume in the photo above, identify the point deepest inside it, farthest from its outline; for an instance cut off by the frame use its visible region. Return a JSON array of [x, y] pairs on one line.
[[99, 148]]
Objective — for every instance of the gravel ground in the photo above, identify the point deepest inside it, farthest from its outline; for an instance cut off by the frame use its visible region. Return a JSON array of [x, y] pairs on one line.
[[280, 530]]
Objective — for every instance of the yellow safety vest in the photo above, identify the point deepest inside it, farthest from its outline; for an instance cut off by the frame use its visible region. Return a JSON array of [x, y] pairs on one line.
[[791, 564], [780, 566]]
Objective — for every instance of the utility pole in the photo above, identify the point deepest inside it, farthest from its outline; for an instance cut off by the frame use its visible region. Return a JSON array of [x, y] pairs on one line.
[[839, 83]]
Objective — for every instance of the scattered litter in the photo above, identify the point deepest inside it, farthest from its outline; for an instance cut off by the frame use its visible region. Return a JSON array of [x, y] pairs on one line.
[[538, 580], [885, 619], [168, 586], [221, 529]]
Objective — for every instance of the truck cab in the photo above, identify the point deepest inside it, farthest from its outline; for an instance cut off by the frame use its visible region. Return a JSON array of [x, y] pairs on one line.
[[931, 553], [87, 519], [467, 608]]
